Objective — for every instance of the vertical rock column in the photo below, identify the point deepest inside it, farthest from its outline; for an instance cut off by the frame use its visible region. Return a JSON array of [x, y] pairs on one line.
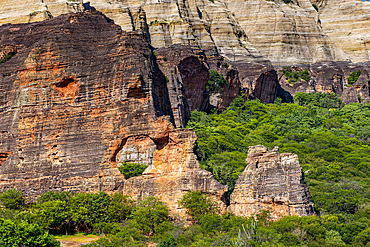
[[271, 181]]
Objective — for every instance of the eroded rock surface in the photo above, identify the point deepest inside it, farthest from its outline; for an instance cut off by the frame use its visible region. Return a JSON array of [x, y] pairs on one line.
[[346, 23], [79, 96], [174, 171], [271, 181], [285, 33]]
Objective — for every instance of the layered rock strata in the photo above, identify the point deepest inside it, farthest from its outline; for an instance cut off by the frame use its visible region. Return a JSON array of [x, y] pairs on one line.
[[271, 181], [346, 23], [205, 24], [80, 96], [285, 33]]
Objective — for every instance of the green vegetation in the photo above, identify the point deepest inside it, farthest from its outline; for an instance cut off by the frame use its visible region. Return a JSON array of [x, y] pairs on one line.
[[36, 12], [130, 170], [294, 75], [353, 77], [11, 199], [197, 205], [119, 221], [7, 57], [216, 82], [331, 139]]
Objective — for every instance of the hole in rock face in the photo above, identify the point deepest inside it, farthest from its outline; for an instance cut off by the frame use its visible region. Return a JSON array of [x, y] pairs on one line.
[[117, 149], [136, 93], [4, 156], [161, 142], [65, 82]]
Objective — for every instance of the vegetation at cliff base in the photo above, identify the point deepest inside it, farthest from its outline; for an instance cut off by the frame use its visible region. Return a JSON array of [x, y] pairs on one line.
[[331, 140], [117, 220]]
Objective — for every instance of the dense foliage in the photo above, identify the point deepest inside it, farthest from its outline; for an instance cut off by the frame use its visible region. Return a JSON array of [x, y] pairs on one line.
[[130, 170], [147, 221], [331, 140], [294, 75], [216, 82]]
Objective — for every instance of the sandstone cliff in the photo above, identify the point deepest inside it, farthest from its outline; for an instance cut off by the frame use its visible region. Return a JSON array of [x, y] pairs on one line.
[[78, 97], [285, 33], [347, 24], [301, 31], [271, 181]]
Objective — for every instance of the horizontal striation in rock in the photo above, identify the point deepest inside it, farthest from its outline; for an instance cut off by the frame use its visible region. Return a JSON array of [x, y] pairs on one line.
[[79, 96]]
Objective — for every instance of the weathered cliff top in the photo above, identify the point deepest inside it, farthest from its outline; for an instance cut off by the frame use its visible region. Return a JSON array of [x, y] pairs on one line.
[[303, 31]]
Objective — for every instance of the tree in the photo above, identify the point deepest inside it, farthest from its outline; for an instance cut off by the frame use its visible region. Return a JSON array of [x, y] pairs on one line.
[[197, 204], [12, 199], [25, 234], [120, 207], [151, 215], [216, 82], [51, 215]]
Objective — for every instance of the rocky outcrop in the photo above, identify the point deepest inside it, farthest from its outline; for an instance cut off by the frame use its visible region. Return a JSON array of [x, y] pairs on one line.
[[302, 31], [271, 181], [328, 77], [80, 96], [173, 171], [205, 24]]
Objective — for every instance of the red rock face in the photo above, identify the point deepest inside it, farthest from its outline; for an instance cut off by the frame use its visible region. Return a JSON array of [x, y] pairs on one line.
[[271, 181], [79, 98]]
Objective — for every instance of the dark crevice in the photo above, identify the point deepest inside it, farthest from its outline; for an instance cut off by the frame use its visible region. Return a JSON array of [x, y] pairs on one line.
[[65, 82]]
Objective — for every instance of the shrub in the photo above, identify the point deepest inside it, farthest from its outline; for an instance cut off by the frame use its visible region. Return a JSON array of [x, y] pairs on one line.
[[12, 199], [197, 204], [353, 77], [216, 82], [7, 57], [294, 75], [24, 234], [130, 170]]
